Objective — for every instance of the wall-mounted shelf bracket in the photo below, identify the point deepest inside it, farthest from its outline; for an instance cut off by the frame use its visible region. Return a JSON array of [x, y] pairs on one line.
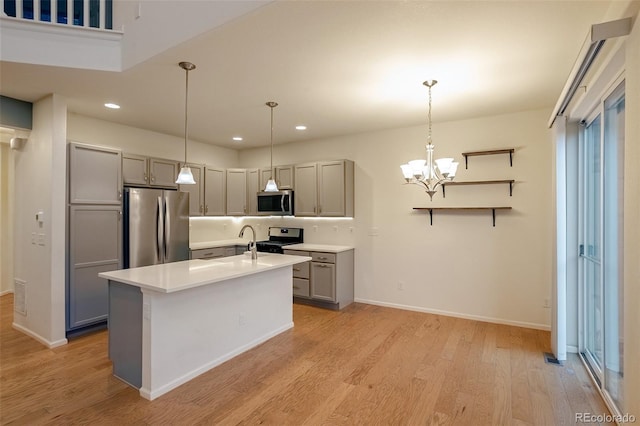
[[480, 182], [509, 151], [493, 211]]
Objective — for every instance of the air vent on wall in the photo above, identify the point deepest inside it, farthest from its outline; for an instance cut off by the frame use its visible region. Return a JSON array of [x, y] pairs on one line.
[[20, 296]]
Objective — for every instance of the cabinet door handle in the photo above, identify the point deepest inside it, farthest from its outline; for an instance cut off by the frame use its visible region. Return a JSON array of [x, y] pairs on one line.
[[153, 178], [296, 269], [200, 208], [296, 287], [206, 208], [319, 209], [314, 209], [119, 195], [322, 258], [145, 177], [322, 266]]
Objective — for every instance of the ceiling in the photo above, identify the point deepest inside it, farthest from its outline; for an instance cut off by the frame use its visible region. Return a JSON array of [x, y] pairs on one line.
[[339, 67]]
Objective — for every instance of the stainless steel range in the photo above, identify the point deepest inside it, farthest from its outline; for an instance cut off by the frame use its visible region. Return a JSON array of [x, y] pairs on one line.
[[280, 237]]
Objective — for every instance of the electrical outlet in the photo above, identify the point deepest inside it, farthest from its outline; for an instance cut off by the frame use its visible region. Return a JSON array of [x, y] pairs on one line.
[[40, 239], [315, 228], [400, 286], [351, 229], [335, 229], [33, 238], [547, 303]]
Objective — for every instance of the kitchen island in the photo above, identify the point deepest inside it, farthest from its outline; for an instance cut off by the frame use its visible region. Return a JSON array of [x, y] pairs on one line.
[[169, 323]]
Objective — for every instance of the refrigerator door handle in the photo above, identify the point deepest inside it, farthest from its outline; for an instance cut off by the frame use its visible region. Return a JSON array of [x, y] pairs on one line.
[[167, 229], [160, 229]]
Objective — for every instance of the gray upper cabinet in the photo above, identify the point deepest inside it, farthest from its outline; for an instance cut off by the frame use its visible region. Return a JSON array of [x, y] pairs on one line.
[[236, 192], [95, 175], [215, 191], [324, 189], [335, 188], [163, 173], [196, 192], [135, 170], [253, 186], [306, 190], [138, 170], [285, 177]]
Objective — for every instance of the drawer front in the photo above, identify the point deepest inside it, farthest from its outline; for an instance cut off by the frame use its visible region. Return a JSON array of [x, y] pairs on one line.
[[230, 251], [301, 287], [211, 253], [301, 270], [323, 257]]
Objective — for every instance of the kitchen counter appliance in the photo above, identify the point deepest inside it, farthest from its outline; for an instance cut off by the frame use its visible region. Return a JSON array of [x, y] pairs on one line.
[[279, 203], [156, 226], [279, 238]]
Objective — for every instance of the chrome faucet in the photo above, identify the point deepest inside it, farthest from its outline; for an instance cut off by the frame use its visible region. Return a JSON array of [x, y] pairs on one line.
[[252, 245]]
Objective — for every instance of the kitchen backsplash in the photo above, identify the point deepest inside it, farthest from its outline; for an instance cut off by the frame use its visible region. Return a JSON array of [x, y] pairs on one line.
[[339, 231]]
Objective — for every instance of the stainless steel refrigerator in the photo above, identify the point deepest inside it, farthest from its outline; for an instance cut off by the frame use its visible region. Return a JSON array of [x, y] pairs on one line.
[[156, 226]]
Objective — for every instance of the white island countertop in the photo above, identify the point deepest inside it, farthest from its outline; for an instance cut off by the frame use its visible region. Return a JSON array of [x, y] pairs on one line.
[[177, 276], [327, 248]]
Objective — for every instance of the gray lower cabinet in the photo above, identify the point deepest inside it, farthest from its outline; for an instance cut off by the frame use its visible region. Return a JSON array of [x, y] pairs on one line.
[[95, 246], [217, 252], [326, 281]]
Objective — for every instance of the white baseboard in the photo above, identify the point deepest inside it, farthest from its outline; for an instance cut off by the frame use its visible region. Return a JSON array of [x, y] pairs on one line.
[[39, 338], [3, 292], [457, 314], [572, 349]]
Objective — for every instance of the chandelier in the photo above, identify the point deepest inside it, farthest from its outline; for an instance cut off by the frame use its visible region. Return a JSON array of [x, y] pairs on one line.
[[428, 173]]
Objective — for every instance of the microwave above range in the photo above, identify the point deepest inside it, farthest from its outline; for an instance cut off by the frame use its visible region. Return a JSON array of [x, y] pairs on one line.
[[278, 203]]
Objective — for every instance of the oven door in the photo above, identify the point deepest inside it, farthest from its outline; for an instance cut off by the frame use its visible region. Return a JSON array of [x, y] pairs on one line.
[[278, 203]]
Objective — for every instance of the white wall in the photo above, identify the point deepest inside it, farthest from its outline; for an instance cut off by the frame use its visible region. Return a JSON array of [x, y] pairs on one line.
[[6, 230], [460, 265], [40, 173], [145, 142]]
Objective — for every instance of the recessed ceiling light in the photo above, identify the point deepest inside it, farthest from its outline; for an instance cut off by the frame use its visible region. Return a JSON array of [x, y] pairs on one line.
[[112, 106], [237, 138], [301, 127]]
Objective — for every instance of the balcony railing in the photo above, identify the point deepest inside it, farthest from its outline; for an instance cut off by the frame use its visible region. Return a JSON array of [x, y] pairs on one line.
[[80, 13]]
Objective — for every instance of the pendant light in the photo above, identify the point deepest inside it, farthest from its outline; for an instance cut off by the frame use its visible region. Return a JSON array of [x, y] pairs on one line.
[[185, 177], [271, 183]]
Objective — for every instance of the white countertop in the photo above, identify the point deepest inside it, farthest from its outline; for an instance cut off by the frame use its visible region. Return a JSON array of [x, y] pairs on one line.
[[327, 248], [219, 243], [177, 276]]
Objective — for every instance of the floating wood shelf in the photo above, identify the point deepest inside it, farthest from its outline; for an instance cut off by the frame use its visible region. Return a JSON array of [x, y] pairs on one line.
[[493, 210], [509, 151], [480, 182]]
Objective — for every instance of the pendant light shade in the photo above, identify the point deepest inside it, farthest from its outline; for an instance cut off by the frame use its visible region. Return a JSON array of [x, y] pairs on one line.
[[185, 177], [271, 183]]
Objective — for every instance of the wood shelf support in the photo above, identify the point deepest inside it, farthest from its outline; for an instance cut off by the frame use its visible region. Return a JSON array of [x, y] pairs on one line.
[[468, 154], [493, 211]]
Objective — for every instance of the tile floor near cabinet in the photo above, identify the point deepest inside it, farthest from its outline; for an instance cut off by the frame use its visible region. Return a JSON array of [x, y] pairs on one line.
[[363, 365]]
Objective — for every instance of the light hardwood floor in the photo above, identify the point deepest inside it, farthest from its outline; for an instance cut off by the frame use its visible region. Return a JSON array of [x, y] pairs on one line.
[[364, 365]]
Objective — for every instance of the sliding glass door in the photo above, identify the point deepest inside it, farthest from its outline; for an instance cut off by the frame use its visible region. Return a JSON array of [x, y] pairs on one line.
[[601, 207]]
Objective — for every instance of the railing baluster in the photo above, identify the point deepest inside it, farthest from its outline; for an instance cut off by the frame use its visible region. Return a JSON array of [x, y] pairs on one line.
[[19, 9], [103, 14], [36, 10], [85, 10], [54, 11]]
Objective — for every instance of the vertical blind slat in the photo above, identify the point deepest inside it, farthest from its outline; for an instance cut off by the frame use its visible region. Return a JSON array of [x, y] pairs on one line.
[[69, 12], [19, 9], [54, 11], [103, 14]]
